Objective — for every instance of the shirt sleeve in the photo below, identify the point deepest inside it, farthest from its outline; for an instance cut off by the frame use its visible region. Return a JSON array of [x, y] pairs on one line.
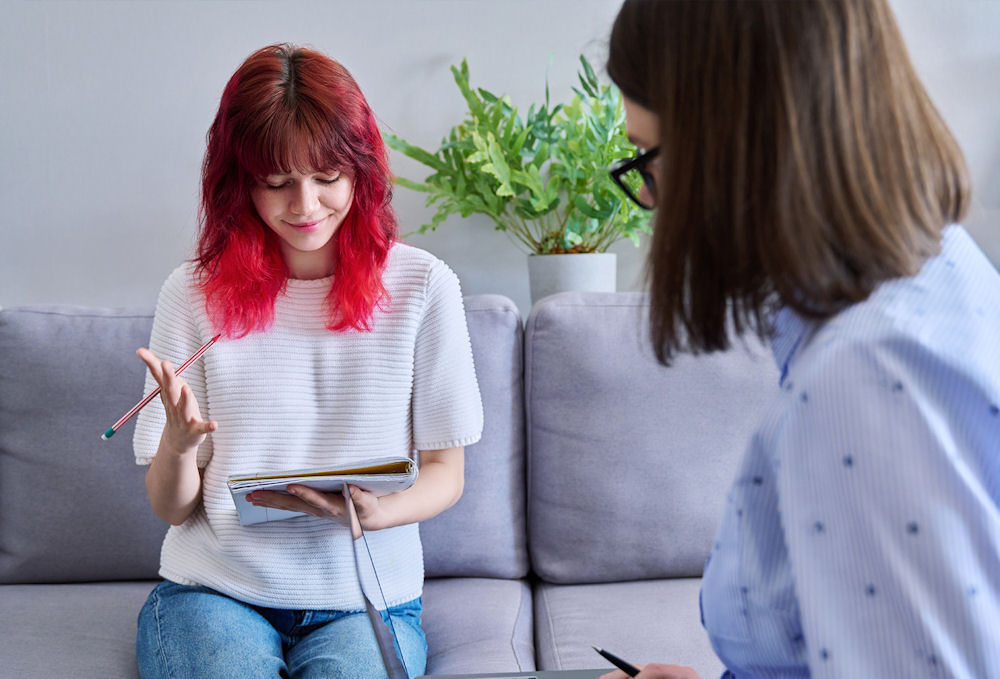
[[175, 337], [893, 538], [447, 408]]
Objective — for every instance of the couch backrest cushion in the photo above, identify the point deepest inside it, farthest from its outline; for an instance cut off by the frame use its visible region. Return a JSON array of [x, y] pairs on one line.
[[629, 462], [484, 534], [72, 507]]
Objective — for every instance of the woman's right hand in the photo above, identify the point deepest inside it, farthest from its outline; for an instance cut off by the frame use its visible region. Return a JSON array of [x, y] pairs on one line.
[[185, 429]]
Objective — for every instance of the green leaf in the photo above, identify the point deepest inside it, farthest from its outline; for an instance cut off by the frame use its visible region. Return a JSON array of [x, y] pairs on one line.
[[541, 155], [412, 185], [583, 206], [415, 152], [591, 77], [462, 80]]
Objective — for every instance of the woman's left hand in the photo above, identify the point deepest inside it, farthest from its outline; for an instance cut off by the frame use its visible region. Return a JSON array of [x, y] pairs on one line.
[[323, 505]]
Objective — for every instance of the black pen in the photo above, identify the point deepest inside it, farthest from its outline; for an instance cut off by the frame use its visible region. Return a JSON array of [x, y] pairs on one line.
[[630, 670]]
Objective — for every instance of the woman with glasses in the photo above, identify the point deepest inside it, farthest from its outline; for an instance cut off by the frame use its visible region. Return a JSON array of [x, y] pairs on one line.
[[807, 190]]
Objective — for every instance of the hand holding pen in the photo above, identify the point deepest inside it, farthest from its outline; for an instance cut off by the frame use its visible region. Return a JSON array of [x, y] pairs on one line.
[[185, 429], [162, 372], [650, 671]]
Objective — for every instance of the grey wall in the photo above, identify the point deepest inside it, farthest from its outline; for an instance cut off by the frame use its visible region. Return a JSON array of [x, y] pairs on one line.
[[105, 107]]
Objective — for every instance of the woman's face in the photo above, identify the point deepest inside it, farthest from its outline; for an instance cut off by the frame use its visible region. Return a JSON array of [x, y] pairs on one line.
[[305, 210], [643, 128]]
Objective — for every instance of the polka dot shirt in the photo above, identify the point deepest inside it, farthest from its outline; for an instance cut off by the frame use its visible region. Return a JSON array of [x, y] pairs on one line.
[[861, 537]]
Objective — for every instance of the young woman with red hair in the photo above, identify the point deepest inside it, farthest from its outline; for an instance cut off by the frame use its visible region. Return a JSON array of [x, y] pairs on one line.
[[339, 343]]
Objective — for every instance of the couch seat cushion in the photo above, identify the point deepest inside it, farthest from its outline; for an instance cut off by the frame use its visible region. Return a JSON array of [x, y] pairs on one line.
[[642, 621], [87, 631], [84, 631], [478, 625]]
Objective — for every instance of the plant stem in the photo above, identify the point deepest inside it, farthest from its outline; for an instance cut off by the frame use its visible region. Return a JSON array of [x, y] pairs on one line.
[[519, 229]]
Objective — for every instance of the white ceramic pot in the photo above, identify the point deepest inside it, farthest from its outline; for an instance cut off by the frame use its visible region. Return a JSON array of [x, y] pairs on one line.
[[590, 272]]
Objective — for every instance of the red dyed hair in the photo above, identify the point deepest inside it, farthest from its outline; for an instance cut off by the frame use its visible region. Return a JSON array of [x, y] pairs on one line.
[[290, 108]]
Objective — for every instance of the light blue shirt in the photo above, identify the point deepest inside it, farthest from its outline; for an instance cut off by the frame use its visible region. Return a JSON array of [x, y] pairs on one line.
[[861, 537]]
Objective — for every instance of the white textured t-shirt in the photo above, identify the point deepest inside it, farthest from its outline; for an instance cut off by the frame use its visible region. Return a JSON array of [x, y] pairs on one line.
[[299, 395]]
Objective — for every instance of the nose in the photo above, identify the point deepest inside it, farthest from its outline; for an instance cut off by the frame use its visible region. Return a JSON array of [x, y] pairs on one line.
[[304, 200]]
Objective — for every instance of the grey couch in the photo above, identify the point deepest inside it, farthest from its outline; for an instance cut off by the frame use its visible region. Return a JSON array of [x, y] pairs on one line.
[[589, 510]]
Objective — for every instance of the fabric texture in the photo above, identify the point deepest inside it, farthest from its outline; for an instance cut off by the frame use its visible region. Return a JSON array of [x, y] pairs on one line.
[[478, 625], [862, 534], [83, 631], [627, 457], [485, 533], [627, 618], [72, 507], [298, 396]]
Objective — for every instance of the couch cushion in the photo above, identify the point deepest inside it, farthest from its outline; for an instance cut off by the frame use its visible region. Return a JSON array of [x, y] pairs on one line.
[[87, 631], [642, 621], [478, 625], [84, 631], [484, 534], [72, 507], [629, 462]]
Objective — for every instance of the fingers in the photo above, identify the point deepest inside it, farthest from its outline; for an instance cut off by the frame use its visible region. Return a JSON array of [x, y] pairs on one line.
[[278, 500], [365, 502], [301, 499], [352, 513], [172, 385], [152, 362], [661, 671], [188, 412], [314, 503], [163, 372], [184, 429]]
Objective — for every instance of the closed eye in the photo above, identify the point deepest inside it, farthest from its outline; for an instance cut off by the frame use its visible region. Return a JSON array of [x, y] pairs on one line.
[[274, 183]]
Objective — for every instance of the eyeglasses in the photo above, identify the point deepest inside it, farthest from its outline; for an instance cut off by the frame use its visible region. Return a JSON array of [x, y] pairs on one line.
[[631, 174]]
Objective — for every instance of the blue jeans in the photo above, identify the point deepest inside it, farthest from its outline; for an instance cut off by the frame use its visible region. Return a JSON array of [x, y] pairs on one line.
[[190, 632]]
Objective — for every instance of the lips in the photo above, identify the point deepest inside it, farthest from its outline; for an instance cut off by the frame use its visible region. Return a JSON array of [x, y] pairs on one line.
[[305, 226]]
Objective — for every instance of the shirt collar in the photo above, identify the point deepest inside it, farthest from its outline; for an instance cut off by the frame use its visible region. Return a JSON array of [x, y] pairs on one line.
[[790, 330]]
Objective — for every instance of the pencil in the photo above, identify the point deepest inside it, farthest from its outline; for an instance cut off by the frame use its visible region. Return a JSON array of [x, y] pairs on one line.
[[149, 397], [630, 670]]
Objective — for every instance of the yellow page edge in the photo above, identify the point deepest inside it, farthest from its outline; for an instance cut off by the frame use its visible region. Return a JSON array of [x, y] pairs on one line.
[[402, 467]]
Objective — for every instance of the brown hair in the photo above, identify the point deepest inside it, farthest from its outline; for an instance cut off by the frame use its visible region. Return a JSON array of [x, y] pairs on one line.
[[802, 161]]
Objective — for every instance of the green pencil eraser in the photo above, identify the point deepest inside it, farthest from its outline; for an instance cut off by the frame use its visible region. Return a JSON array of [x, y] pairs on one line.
[[108, 434]]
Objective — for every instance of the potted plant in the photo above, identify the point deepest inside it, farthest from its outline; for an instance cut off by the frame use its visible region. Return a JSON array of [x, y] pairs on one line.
[[542, 179]]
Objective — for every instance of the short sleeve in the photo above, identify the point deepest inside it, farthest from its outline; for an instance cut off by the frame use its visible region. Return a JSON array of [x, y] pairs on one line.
[[893, 539], [175, 337], [447, 408]]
